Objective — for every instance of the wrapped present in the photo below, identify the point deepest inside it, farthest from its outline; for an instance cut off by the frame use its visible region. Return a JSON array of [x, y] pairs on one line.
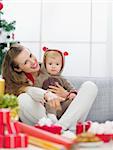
[[105, 137], [4, 116], [82, 127], [22, 140], [1, 141], [1, 129], [53, 128], [10, 141], [9, 135], [11, 128], [15, 140], [42, 134], [47, 125]]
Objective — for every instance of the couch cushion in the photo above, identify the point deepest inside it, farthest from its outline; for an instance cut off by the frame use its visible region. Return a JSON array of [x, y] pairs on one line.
[[102, 109]]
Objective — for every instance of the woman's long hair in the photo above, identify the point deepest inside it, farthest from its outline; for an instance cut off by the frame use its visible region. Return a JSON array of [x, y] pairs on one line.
[[14, 81]]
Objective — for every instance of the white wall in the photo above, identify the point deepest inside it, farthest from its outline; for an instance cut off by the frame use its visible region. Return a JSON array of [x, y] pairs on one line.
[[81, 27]]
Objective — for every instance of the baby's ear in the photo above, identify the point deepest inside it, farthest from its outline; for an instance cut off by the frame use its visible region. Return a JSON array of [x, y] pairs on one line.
[[44, 49]]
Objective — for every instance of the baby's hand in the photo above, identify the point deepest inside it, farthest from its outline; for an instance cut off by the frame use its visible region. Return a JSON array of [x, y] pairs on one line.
[[49, 96], [71, 96]]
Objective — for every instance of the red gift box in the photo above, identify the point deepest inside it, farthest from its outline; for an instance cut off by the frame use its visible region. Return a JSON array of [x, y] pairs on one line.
[[1, 129], [1, 141], [105, 137], [53, 128], [15, 140], [22, 140], [11, 128], [10, 141], [41, 134], [82, 127], [4, 116]]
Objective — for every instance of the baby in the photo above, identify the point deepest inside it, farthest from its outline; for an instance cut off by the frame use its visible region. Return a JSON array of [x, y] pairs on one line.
[[50, 75]]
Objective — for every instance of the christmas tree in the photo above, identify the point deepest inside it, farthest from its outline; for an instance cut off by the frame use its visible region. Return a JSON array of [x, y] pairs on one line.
[[6, 34]]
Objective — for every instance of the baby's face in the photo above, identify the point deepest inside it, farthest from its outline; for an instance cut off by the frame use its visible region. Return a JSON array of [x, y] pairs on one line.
[[53, 65]]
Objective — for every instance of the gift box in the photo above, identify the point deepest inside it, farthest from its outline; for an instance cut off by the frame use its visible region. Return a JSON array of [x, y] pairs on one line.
[[53, 128], [1, 129], [4, 116], [1, 141], [11, 128], [9, 134], [105, 137], [82, 127], [42, 134], [22, 140], [15, 140], [10, 141]]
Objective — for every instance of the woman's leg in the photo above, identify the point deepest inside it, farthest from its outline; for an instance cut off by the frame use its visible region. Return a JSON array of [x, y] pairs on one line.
[[80, 106], [30, 110]]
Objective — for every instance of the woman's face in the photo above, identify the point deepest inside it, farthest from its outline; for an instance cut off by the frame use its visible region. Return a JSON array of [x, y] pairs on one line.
[[27, 62]]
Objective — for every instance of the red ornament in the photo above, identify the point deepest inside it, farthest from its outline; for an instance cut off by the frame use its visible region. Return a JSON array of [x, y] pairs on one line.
[[45, 49], [66, 54], [1, 6]]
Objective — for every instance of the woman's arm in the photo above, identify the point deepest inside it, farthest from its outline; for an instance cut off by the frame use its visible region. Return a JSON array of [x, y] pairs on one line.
[[36, 93], [39, 94]]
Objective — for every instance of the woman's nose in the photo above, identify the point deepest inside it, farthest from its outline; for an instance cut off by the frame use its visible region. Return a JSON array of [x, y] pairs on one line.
[[32, 60]]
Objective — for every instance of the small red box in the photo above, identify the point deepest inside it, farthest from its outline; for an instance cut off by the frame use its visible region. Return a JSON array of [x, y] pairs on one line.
[[10, 141], [11, 128], [1, 129], [22, 140], [15, 140], [82, 127], [1, 141], [105, 137], [53, 128], [4, 116]]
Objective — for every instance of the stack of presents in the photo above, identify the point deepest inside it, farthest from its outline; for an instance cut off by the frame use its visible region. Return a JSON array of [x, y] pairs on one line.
[[10, 137]]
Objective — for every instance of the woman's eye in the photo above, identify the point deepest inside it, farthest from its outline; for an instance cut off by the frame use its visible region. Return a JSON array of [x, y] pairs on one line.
[[25, 63], [30, 55], [50, 63], [57, 64]]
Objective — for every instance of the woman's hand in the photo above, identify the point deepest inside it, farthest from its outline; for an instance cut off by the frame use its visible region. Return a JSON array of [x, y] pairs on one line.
[[55, 104], [59, 90]]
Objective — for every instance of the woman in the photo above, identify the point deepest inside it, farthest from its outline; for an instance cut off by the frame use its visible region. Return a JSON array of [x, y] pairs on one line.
[[20, 70]]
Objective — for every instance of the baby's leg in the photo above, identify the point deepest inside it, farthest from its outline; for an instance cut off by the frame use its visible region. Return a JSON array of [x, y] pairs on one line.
[[80, 106]]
